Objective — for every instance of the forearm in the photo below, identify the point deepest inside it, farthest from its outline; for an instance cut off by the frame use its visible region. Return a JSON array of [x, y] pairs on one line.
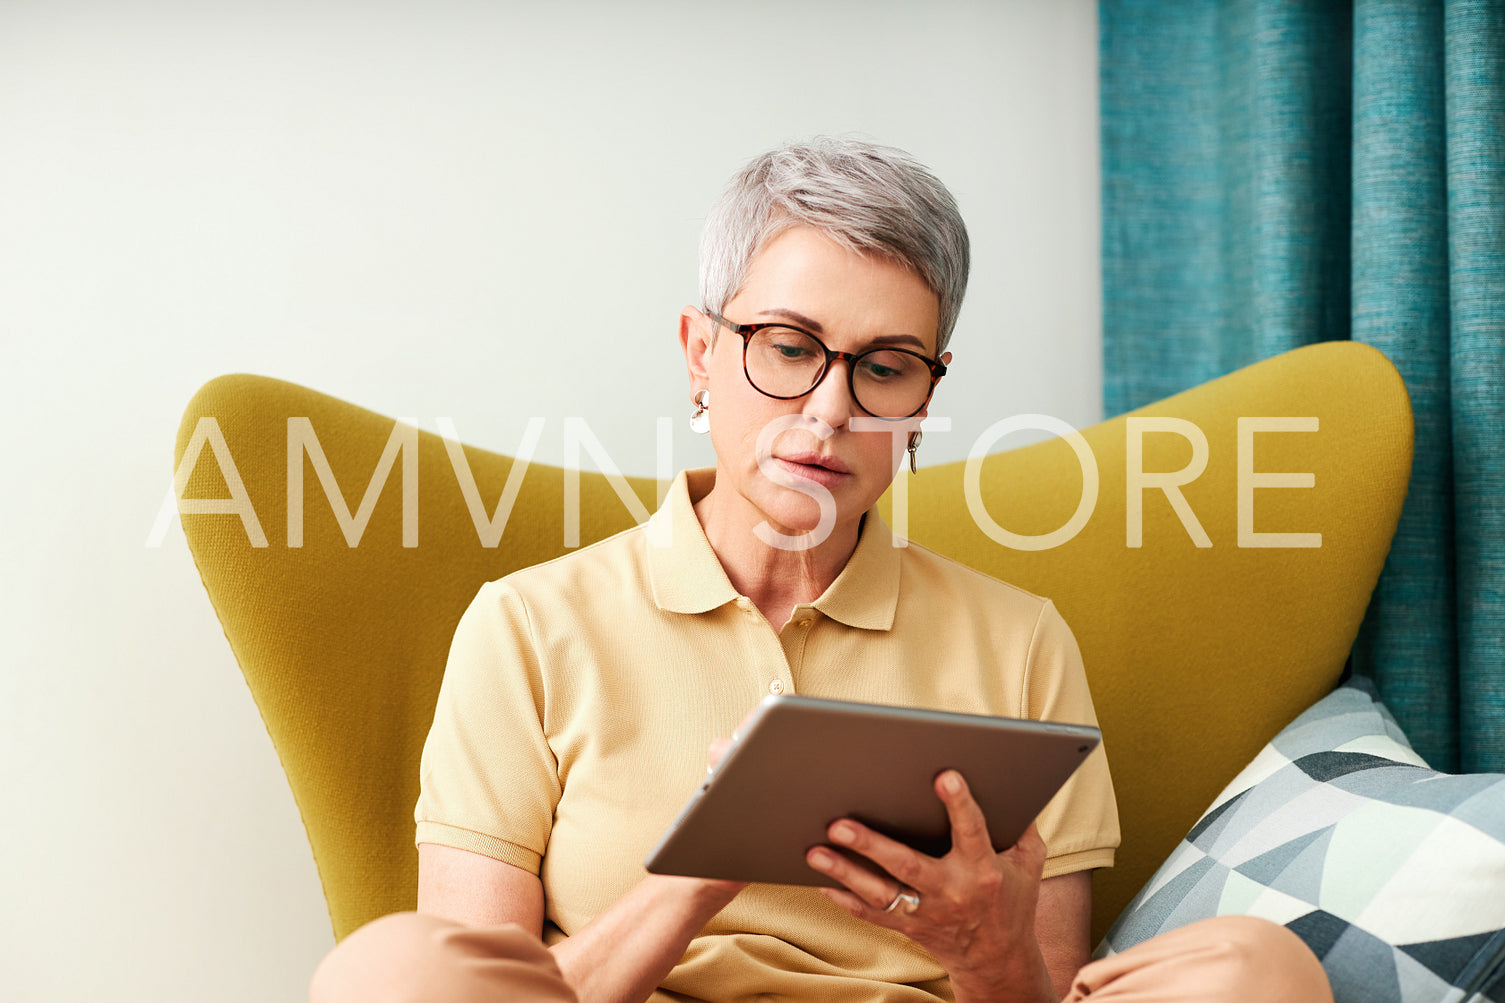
[[1025, 981], [624, 954]]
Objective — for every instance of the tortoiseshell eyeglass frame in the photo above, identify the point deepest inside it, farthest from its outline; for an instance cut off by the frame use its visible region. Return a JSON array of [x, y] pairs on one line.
[[746, 331]]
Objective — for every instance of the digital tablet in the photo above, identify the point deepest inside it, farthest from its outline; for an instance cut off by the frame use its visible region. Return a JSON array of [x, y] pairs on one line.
[[801, 763]]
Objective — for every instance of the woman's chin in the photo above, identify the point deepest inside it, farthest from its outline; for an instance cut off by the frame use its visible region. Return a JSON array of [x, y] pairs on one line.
[[804, 519]]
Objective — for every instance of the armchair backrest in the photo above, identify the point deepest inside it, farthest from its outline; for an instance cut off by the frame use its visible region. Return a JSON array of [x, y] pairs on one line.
[[1196, 654]]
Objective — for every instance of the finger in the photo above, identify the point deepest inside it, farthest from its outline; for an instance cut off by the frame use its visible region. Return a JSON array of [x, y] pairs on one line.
[[857, 906], [718, 750], [873, 890], [908, 865], [969, 829]]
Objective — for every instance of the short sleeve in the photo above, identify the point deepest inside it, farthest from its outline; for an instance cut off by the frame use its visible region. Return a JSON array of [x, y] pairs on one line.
[[489, 781], [1080, 824]]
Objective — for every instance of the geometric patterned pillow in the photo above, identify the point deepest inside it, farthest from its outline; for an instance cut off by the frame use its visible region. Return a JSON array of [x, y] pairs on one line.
[[1393, 873]]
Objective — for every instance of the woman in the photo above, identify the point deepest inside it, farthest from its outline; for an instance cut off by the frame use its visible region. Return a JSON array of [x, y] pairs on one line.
[[581, 695]]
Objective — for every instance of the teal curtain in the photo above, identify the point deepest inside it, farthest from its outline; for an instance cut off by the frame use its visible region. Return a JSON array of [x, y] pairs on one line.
[[1278, 172]]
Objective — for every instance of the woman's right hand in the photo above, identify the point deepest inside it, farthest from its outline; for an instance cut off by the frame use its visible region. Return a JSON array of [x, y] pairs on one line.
[[622, 954], [627, 951], [717, 752]]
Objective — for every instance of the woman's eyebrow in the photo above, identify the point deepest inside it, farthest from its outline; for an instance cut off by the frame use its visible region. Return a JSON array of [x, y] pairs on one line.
[[901, 339], [813, 326]]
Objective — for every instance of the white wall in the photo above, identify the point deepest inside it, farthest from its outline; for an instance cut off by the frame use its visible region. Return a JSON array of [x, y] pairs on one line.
[[415, 207]]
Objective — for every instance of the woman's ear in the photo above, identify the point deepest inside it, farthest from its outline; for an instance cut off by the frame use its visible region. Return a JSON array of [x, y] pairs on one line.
[[925, 411], [696, 336]]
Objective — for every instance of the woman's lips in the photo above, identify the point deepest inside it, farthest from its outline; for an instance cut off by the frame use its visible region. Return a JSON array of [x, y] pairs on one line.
[[824, 470]]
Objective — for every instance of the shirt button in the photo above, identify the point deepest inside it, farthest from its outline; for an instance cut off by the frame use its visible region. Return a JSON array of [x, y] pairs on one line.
[[804, 622], [777, 686]]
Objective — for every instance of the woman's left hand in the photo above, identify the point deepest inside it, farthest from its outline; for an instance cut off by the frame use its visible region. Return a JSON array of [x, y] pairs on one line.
[[976, 907]]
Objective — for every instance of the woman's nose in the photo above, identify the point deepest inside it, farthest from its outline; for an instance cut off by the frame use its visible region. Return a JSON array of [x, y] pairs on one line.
[[831, 400]]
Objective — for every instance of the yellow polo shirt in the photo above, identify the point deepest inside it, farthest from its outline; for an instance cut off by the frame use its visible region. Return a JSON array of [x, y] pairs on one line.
[[580, 696]]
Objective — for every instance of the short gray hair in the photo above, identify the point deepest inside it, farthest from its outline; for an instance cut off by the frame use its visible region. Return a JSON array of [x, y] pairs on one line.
[[870, 198]]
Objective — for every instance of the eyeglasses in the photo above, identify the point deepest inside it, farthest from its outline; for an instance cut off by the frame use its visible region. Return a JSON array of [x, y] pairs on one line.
[[786, 363]]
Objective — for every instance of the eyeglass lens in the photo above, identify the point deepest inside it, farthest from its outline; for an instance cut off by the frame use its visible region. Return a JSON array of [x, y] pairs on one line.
[[887, 382]]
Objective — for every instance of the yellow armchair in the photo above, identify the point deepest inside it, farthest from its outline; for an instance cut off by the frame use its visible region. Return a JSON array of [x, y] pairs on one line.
[[1213, 552]]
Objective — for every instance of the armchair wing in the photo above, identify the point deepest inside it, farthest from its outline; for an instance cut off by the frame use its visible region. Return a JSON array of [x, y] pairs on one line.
[[1198, 655]]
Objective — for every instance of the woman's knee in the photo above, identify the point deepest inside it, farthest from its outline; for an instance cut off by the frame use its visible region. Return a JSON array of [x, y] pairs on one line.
[[1249, 952], [1230, 959], [414, 958]]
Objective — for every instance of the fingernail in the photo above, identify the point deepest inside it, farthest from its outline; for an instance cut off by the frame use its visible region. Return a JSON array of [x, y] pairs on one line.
[[820, 858], [842, 833], [952, 782]]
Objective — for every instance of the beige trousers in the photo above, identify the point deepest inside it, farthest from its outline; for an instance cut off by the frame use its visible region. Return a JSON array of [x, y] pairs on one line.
[[411, 958]]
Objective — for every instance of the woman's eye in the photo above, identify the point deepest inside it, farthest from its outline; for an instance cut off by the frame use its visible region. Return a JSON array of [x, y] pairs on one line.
[[887, 366]]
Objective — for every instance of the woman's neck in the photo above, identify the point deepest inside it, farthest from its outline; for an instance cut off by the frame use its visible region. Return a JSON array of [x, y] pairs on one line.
[[775, 578]]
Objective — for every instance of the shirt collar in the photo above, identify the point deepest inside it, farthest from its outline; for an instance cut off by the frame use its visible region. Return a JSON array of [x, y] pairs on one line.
[[687, 577], [866, 592], [684, 571]]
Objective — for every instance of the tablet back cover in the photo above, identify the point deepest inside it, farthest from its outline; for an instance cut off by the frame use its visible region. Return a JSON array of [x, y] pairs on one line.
[[805, 762]]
